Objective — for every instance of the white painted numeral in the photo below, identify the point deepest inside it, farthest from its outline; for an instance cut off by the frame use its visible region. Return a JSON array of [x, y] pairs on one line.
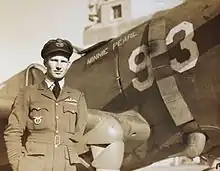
[[187, 43], [146, 63]]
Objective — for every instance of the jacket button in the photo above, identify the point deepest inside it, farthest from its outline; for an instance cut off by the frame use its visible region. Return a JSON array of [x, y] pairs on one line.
[[57, 104], [57, 117]]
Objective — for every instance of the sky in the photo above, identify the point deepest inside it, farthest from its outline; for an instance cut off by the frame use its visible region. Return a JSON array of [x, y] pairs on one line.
[[26, 25]]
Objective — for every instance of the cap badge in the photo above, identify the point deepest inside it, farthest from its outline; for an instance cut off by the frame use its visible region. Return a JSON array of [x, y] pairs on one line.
[[59, 43]]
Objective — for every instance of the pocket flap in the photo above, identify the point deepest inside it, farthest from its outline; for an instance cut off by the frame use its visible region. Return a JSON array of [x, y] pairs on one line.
[[38, 107], [35, 149], [69, 108], [35, 154]]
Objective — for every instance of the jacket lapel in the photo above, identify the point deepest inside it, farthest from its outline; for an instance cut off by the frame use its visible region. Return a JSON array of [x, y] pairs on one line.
[[45, 91], [65, 93]]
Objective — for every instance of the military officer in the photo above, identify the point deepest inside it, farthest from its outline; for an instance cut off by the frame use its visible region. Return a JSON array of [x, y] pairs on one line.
[[50, 113]]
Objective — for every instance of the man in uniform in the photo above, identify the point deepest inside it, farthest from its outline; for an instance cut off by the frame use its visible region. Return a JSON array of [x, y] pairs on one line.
[[50, 113]]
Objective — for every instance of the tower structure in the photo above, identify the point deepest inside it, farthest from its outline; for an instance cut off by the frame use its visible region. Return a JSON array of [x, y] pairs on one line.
[[109, 18]]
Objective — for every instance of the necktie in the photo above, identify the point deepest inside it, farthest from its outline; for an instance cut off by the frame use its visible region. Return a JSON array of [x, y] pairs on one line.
[[56, 89]]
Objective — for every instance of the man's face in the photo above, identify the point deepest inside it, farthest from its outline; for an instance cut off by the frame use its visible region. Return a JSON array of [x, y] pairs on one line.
[[57, 67]]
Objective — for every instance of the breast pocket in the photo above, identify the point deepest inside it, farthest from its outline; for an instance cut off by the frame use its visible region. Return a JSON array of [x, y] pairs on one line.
[[38, 116], [70, 112]]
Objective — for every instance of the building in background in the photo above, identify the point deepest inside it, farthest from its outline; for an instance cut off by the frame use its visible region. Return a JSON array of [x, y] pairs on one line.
[[110, 18]]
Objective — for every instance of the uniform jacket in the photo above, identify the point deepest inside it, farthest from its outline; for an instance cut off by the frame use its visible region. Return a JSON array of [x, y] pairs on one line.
[[49, 124]]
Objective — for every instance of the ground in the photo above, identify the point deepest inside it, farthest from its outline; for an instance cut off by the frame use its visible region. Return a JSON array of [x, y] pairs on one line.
[[176, 168]]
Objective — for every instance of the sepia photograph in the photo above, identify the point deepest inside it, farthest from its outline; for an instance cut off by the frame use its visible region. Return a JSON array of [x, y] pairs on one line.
[[110, 85]]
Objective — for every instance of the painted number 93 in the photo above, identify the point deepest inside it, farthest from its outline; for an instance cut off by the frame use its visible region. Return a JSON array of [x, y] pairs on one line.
[[186, 43]]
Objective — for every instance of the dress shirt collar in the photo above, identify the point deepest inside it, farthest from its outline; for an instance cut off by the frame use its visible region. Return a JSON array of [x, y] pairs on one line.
[[50, 83]]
